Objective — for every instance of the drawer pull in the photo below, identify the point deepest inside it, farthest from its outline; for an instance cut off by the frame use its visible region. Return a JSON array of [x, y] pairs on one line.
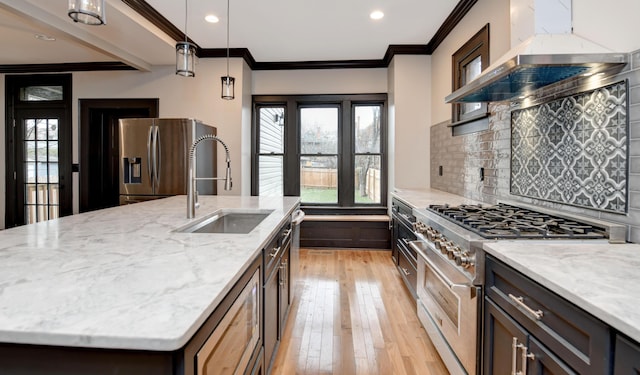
[[274, 252], [537, 314], [406, 271]]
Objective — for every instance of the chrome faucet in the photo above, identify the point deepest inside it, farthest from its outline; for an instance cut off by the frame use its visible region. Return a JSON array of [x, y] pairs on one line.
[[192, 194]]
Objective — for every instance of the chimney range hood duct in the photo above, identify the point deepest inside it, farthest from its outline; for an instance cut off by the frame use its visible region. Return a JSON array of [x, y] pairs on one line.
[[542, 59]]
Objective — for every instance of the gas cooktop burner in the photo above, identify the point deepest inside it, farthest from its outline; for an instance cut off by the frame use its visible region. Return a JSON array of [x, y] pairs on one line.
[[504, 221]]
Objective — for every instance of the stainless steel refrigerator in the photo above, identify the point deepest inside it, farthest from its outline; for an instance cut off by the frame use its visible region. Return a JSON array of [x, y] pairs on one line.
[[154, 158]]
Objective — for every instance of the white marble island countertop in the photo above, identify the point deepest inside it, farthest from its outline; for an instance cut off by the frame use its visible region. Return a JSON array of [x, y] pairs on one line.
[[120, 277], [600, 278]]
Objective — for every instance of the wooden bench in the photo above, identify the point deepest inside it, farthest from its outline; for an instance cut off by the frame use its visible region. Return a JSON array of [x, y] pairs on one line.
[[346, 231]]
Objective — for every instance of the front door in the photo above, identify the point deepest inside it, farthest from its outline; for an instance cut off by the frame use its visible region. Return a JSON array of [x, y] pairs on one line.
[[38, 175]]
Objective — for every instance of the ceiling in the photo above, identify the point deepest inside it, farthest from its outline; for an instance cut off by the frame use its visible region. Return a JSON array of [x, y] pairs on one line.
[[272, 31]]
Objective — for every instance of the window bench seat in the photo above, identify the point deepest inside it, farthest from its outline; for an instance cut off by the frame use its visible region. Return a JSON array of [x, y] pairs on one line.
[[346, 231]]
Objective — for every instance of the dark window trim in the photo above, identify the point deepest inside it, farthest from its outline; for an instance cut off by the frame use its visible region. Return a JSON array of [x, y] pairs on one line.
[[478, 45], [346, 102]]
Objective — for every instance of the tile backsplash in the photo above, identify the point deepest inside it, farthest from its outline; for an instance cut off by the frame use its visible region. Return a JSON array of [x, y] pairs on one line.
[[462, 157], [573, 150]]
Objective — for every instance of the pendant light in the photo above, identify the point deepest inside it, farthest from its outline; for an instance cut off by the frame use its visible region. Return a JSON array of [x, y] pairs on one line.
[[185, 51], [90, 12], [228, 82]]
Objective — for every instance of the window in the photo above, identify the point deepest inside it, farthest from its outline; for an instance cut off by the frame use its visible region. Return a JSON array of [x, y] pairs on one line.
[[467, 63], [328, 149]]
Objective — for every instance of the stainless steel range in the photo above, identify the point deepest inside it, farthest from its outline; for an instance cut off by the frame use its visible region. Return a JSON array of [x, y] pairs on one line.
[[451, 265]]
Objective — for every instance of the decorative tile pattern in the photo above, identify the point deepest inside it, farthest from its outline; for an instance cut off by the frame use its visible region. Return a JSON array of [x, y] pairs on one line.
[[573, 150]]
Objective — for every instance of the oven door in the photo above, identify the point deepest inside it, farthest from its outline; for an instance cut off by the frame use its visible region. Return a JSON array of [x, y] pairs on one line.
[[451, 302]]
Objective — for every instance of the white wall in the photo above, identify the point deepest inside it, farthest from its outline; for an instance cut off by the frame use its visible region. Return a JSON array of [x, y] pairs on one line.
[[409, 121], [494, 12], [320, 81], [612, 24]]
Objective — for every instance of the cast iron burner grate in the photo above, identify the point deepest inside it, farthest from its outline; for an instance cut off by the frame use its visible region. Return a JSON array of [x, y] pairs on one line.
[[503, 221]]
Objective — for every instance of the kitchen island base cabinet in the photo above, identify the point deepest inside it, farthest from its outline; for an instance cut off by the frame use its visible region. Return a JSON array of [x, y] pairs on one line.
[[276, 258], [627, 357]]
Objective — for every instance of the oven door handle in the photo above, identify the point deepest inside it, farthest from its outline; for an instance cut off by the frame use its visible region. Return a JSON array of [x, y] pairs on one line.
[[451, 285]]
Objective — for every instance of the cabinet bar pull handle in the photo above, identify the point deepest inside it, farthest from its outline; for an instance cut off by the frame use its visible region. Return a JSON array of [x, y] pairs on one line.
[[406, 271], [530, 356], [537, 314], [514, 346], [274, 252]]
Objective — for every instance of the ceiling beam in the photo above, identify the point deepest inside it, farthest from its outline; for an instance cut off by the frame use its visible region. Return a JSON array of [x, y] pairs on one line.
[[54, 23]]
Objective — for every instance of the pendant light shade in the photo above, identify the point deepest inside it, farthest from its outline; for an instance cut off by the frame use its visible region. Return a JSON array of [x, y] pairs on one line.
[[228, 91], [228, 82], [185, 59], [90, 12], [186, 51]]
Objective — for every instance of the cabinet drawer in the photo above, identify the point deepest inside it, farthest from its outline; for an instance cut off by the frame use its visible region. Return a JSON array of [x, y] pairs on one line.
[[402, 210], [581, 340], [273, 251], [408, 271]]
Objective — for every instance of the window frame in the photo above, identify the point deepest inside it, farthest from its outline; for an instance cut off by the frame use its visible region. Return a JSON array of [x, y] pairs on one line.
[[477, 46], [346, 147]]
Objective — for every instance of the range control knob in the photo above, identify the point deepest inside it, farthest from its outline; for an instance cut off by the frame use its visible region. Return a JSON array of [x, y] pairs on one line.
[[453, 251], [464, 260], [420, 227]]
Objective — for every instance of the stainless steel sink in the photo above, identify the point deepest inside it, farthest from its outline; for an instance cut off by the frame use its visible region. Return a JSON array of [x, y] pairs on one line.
[[227, 221]]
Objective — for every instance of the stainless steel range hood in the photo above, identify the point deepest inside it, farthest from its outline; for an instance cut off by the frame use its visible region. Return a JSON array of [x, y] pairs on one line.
[[540, 60]]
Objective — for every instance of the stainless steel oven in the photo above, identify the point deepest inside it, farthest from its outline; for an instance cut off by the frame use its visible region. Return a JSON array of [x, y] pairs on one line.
[[451, 303]]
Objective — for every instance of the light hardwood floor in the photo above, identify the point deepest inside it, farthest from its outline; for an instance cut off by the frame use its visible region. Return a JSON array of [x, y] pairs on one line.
[[353, 315]]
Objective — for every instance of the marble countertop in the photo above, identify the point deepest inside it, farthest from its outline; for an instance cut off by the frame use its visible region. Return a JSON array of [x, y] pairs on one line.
[[421, 198], [120, 277], [600, 278]]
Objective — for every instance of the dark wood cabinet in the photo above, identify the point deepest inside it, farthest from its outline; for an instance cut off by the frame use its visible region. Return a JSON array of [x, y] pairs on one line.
[[404, 257], [276, 291], [507, 345], [627, 357], [557, 336]]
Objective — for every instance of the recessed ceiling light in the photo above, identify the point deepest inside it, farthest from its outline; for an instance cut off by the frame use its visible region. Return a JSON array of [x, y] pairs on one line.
[[211, 18], [46, 38], [376, 15]]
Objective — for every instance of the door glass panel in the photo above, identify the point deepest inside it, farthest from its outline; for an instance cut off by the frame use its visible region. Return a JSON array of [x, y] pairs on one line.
[[40, 93], [319, 179], [41, 172], [367, 129], [30, 130], [367, 179], [319, 130], [270, 175]]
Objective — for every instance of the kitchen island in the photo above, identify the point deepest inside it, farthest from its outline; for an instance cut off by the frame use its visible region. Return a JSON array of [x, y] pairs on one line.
[[122, 278]]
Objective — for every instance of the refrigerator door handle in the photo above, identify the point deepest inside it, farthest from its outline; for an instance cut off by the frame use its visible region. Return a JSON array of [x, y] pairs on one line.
[[154, 158], [149, 143], [158, 161]]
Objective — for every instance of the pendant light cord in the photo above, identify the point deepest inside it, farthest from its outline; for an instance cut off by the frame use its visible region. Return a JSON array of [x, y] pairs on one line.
[[228, 22], [186, 13]]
